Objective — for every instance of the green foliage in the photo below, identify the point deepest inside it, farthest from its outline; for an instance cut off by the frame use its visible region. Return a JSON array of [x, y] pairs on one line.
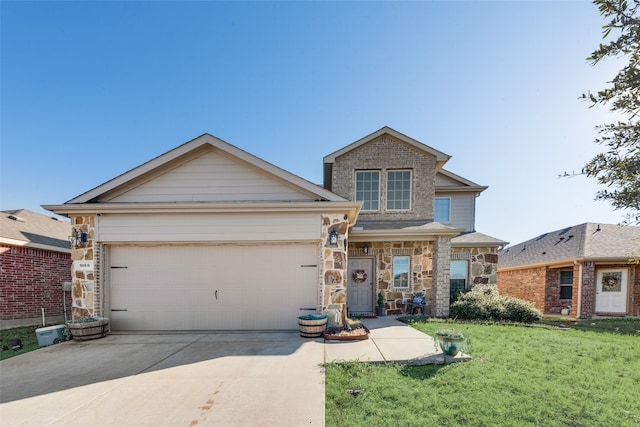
[[25, 334], [519, 376], [483, 302], [380, 300], [618, 167]]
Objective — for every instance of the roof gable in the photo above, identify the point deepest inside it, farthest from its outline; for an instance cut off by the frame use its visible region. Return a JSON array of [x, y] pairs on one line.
[[449, 181], [206, 169], [589, 242], [441, 158]]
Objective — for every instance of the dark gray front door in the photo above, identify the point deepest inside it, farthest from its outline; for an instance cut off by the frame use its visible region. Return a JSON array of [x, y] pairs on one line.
[[360, 285]]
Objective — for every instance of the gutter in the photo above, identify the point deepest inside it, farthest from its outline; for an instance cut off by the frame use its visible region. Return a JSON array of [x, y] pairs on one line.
[[401, 234]]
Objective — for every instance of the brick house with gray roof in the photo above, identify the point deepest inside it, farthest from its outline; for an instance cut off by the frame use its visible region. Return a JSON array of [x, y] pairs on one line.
[[35, 260], [584, 271]]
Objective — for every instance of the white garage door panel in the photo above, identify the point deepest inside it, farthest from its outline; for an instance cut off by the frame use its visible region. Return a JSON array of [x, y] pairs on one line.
[[211, 287]]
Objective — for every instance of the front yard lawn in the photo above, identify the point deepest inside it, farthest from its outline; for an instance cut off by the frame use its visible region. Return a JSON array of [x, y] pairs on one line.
[[26, 334], [520, 376]]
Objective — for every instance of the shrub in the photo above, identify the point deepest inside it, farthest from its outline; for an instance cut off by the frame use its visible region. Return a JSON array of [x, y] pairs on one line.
[[483, 302]]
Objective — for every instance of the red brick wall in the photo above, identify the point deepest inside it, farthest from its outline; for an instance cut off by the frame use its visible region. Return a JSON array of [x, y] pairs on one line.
[[634, 271], [31, 279], [527, 284], [553, 303]]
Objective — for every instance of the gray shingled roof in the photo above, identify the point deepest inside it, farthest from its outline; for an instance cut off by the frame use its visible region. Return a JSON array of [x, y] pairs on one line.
[[475, 238], [34, 229], [589, 241]]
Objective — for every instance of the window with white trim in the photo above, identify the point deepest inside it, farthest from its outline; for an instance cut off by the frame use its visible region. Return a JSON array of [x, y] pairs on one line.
[[368, 190], [442, 209], [566, 284], [458, 275], [399, 190], [400, 271]]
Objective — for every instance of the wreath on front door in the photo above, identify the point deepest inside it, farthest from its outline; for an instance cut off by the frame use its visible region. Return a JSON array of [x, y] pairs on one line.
[[359, 276]]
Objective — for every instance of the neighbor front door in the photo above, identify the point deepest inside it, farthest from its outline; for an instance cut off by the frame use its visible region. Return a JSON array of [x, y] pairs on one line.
[[611, 290], [360, 286]]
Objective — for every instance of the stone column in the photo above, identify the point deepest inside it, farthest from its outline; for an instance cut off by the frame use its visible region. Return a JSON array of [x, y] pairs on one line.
[[334, 265], [441, 273], [83, 289]]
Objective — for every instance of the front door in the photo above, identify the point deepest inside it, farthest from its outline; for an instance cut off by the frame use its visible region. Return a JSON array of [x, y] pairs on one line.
[[360, 286], [611, 291]]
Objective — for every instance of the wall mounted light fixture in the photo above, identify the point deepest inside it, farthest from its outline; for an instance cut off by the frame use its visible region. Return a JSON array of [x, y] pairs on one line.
[[333, 238], [78, 238], [365, 249]]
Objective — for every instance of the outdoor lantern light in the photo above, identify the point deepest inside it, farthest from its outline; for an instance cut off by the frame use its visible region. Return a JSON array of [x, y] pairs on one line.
[[78, 238], [333, 238], [365, 249]]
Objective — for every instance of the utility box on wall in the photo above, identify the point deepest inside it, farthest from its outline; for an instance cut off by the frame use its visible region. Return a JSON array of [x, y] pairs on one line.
[[50, 335]]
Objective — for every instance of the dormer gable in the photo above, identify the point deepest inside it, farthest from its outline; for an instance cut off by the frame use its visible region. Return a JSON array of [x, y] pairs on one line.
[[439, 157]]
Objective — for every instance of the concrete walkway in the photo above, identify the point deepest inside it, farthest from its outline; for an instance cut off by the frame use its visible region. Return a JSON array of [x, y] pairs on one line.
[[389, 341], [192, 379]]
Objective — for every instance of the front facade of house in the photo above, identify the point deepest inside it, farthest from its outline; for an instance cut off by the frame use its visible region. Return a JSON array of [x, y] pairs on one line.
[[416, 229], [584, 271], [209, 237], [35, 263]]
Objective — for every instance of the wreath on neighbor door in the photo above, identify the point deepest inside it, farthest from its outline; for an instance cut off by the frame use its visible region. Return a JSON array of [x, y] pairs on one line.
[[359, 276]]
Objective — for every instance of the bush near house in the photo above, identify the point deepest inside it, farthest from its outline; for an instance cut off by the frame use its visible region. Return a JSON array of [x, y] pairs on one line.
[[483, 302]]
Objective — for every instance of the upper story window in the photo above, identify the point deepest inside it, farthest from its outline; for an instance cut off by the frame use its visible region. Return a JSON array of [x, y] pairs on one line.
[[399, 190], [442, 209], [368, 190]]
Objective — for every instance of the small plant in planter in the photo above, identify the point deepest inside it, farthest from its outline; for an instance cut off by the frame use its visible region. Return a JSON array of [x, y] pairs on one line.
[[450, 341], [352, 330], [312, 325], [380, 311]]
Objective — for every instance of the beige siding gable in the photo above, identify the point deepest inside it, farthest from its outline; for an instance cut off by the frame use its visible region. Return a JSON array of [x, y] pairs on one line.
[[445, 181], [212, 176]]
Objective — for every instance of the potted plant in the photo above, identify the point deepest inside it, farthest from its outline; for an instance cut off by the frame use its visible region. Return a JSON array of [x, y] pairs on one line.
[[353, 330], [450, 341], [88, 328], [312, 325], [380, 310]]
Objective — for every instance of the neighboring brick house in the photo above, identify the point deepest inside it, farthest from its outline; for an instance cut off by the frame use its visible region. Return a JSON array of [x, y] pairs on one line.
[[583, 271], [416, 228], [35, 260]]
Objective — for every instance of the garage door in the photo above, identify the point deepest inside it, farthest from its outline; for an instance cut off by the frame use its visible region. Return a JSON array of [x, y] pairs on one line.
[[211, 287]]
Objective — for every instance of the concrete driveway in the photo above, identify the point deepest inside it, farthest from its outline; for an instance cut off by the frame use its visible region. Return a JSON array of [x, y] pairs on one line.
[[243, 379]]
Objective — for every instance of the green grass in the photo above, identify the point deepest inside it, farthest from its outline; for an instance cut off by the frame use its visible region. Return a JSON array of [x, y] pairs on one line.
[[28, 336], [520, 376]]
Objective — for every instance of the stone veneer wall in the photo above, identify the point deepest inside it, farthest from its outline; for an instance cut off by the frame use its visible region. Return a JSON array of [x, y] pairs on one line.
[[333, 271], [84, 290], [483, 264], [421, 265]]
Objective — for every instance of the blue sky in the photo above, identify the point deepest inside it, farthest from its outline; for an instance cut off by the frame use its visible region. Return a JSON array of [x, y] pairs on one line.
[[92, 89]]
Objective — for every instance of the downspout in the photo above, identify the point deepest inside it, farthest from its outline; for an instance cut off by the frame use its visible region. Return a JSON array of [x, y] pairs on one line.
[[579, 308]]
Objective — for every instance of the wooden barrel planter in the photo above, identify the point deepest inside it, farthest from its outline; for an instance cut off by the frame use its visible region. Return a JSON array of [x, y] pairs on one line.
[[312, 325], [88, 329]]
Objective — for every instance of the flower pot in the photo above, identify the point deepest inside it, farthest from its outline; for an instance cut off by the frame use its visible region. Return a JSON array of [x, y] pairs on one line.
[[340, 334], [88, 329], [312, 326], [450, 345]]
